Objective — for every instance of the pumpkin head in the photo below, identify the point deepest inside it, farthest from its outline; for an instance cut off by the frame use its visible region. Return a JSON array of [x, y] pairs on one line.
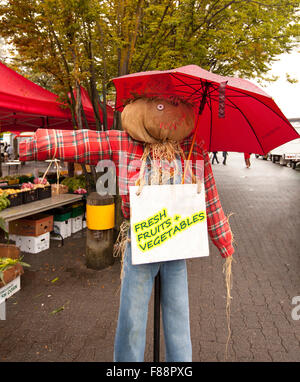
[[154, 120]]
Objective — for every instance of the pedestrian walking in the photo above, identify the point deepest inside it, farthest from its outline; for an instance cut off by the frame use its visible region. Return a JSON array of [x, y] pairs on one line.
[[247, 159], [225, 153], [9, 151], [5, 152], [215, 157]]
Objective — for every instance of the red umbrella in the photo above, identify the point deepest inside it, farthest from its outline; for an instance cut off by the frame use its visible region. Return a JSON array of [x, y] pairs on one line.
[[233, 114]]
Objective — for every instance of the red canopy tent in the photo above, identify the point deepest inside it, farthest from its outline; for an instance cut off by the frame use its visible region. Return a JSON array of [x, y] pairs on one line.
[[26, 106]]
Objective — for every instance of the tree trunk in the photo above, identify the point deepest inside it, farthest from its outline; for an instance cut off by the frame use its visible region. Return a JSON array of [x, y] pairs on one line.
[[78, 105], [104, 77], [94, 100]]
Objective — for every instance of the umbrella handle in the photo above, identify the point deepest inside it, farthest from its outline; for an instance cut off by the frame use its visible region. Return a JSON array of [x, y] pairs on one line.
[[201, 107], [190, 152]]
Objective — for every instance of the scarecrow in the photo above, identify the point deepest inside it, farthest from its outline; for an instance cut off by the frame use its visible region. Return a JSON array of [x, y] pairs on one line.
[[163, 126], [159, 127], [155, 131]]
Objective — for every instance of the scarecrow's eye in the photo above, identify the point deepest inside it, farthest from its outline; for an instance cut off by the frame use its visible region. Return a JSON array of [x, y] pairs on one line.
[[160, 107]]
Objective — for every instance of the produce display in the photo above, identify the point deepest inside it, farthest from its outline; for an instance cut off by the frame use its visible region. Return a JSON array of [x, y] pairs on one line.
[[10, 179], [4, 201], [18, 189], [80, 191], [40, 181], [37, 183], [25, 178], [25, 192], [27, 186], [75, 183], [10, 191]]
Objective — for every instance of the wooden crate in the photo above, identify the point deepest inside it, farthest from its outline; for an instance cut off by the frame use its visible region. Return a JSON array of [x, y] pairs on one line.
[[59, 189]]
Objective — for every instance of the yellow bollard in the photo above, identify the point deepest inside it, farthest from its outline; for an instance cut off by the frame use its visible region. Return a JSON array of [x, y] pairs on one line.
[[100, 220], [100, 217]]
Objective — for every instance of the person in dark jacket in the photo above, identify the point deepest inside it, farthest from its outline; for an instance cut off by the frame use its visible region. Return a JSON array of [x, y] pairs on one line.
[[215, 157]]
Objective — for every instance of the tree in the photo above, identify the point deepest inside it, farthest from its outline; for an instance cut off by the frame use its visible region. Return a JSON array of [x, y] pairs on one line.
[[53, 38], [66, 44], [74, 40], [227, 37], [56, 39]]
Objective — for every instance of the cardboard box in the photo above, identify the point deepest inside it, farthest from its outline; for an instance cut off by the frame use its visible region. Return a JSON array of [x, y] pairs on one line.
[[33, 244], [62, 213], [63, 228], [77, 210], [9, 289], [11, 273], [9, 250], [34, 225], [76, 224]]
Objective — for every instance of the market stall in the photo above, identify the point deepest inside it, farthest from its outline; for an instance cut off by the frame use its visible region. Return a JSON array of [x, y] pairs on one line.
[[30, 210], [26, 106], [32, 206], [18, 212]]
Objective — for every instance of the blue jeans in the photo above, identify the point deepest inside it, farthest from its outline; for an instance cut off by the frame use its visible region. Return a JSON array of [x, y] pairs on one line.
[[136, 288]]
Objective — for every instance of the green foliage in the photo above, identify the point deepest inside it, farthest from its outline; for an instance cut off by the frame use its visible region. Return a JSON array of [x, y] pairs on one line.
[[68, 42], [3, 226], [75, 182], [6, 263], [290, 79], [4, 202]]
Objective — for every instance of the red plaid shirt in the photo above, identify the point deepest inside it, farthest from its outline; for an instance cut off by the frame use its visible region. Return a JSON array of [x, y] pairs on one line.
[[89, 146]]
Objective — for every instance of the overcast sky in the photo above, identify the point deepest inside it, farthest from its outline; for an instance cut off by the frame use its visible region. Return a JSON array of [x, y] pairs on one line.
[[285, 94]]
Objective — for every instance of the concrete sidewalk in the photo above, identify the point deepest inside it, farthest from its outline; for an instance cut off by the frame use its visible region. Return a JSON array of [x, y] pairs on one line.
[[264, 201]]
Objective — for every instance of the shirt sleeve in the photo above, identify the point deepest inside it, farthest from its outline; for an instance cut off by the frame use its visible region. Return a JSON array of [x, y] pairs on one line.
[[218, 226], [80, 146]]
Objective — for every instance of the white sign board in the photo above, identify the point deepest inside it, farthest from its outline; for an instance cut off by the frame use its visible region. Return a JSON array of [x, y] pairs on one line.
[[168, 222], [9, 289]]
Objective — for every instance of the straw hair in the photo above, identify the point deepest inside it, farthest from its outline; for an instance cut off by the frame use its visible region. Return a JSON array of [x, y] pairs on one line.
[[162, 151], [227, 269], [121, 242]]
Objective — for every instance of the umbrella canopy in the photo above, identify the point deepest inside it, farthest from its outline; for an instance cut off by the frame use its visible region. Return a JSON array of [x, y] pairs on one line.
[[26, 106], [233, 113]]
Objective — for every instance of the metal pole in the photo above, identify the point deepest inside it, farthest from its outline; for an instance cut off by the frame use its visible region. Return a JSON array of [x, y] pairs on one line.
[[156, 338]]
